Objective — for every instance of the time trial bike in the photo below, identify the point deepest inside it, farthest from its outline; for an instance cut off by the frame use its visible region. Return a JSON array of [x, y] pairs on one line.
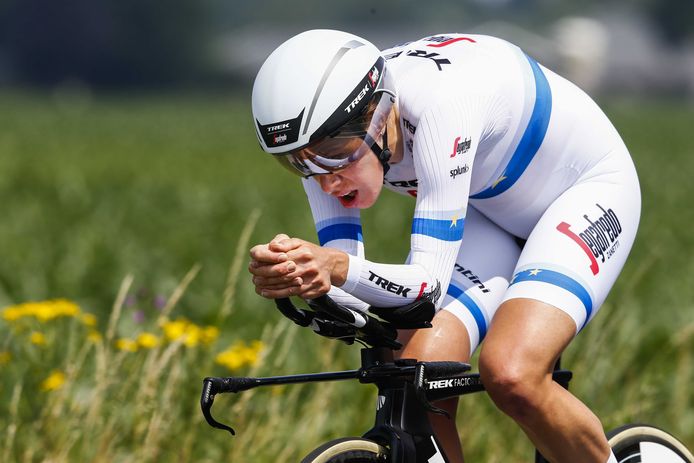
[[408, 390]]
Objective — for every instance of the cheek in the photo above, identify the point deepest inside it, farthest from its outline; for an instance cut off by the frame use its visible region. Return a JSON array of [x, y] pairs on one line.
[[371, 184]]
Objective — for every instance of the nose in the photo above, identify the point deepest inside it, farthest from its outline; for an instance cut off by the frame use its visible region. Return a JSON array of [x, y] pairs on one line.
[[330, 183]]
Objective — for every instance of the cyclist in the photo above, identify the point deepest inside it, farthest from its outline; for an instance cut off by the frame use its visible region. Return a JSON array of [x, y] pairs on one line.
[[486, 139]]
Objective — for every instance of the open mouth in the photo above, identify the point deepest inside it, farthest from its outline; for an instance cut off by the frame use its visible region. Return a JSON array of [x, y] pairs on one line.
[[348, 199]]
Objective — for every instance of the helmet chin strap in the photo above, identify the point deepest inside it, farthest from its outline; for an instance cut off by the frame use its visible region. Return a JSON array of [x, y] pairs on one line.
[[383, 154]]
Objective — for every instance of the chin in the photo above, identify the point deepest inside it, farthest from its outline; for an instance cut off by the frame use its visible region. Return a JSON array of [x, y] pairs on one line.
[[367, 202]]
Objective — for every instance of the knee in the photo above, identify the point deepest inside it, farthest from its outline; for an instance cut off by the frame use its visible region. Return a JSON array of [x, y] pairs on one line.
[[515, 388]]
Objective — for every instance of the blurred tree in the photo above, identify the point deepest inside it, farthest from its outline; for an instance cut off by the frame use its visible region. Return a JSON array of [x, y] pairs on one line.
[[104, 43], [675, 17]]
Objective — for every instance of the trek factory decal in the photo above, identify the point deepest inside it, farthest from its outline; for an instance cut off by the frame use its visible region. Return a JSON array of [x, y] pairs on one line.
[[598, 239], [453, 382]]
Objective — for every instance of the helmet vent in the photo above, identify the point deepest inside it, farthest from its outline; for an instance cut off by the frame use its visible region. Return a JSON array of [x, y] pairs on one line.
[[336, 59]]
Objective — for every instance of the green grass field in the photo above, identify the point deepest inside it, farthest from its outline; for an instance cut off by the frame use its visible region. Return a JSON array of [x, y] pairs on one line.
[[140, 211]]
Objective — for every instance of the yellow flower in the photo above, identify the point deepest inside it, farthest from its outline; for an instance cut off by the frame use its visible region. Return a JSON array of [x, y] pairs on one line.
[[147, 340], [12, 313], [174, 330], [127, 345], [189, 333], [36, 337], [43, 311], [209, 334], [88, 320], [94, 336], [5, 357], [54, 381], [240, 354], [229, 359]]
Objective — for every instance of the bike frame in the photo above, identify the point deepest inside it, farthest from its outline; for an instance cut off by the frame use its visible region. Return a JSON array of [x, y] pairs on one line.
[[406, 387], [402, 422]]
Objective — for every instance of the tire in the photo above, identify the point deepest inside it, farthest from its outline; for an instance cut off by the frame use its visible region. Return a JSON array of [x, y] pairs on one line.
[[642, 443], [348, 450]]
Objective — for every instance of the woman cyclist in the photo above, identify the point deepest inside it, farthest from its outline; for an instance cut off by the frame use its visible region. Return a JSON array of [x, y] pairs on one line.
[[484, 139]]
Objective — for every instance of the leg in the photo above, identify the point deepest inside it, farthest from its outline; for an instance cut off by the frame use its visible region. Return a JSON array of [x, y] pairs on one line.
[[571, 259], [525, 339], [477, 286], [446, 340]]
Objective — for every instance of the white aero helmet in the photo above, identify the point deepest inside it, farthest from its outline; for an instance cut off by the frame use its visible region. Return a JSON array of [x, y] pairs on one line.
[[318, 101]]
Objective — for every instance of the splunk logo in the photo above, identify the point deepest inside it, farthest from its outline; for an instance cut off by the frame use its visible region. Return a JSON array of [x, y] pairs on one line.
[[599, 238], [459, 171]]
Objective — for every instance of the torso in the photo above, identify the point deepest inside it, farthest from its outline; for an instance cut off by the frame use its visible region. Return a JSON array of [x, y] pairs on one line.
[[537, 134]]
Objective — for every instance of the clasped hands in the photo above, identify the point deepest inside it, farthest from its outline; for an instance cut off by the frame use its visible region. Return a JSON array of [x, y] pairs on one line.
[[294, 267]]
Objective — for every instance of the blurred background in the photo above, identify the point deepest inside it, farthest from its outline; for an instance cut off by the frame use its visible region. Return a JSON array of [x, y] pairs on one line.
[[132, 187], [627, 47]]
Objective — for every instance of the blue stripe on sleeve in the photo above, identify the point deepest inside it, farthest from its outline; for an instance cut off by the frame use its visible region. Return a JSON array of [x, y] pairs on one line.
[[530, 141], [340, 231], [474, 309], [446, 230]]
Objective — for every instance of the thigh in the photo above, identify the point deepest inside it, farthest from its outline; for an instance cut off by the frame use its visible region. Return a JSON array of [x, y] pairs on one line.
[[481, 276], [579, 246]]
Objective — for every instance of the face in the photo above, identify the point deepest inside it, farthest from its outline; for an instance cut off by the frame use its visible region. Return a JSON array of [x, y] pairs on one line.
[[357, 186]]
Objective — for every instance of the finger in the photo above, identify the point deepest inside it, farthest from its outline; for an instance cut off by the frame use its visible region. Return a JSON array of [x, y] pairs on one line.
[[285, 245], [277, 293], [263, 254], [272, 270], [277, 284], [312, 291]]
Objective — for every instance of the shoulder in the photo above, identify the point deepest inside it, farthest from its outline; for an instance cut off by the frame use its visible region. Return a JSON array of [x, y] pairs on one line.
[[438, 69]]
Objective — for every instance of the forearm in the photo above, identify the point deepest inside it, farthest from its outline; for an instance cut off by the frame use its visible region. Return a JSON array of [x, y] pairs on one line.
[[387, 285]]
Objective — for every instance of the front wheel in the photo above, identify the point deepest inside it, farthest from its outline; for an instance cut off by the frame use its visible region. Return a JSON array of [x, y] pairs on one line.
[[641, 443], [348, 450]]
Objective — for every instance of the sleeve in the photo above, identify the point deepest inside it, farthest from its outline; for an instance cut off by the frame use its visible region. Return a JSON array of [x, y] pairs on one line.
[[446, 138], [339, 228]]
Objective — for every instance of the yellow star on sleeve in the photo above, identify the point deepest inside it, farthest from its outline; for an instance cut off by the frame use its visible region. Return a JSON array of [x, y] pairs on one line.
[[499, 180], [534, 272]]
